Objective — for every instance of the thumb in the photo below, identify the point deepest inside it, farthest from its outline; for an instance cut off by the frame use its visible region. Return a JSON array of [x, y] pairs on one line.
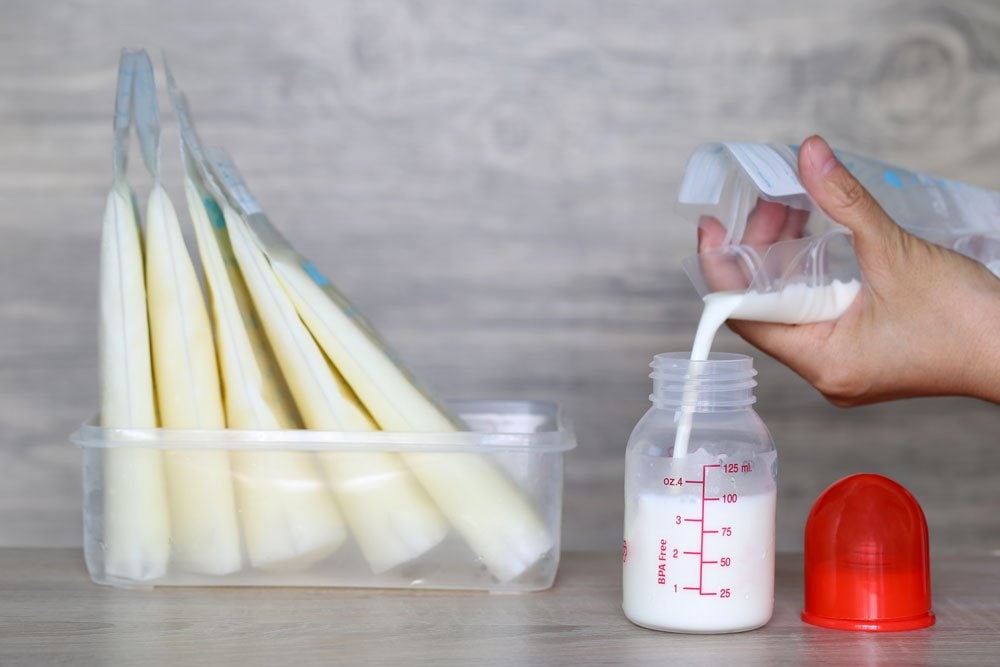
[[846, 201]]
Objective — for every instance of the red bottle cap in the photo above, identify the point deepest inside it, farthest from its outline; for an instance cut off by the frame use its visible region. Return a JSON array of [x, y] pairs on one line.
[[866, 558]]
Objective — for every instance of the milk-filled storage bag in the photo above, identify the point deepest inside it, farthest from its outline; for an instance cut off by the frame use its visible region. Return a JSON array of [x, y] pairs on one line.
[[789, 262]]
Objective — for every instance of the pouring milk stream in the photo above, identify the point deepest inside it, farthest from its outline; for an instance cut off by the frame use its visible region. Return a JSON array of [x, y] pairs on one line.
[[813, 278], [795, 304], [698, 554], [703, 561]]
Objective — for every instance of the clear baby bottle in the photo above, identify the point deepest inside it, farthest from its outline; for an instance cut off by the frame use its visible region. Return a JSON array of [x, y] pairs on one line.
[[698, 554]]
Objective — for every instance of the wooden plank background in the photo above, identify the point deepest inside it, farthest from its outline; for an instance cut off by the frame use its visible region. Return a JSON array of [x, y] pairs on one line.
[[493, 184]]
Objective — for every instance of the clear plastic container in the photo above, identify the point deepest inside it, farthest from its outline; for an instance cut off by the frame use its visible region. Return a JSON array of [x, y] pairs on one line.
[[699, 530], [525, 439], [728, 181]]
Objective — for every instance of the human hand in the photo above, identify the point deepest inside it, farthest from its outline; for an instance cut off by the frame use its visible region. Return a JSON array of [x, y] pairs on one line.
[[925, 322]]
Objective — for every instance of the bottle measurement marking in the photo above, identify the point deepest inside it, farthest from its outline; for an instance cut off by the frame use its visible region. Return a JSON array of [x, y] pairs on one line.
[[744, 467], [724, 531]]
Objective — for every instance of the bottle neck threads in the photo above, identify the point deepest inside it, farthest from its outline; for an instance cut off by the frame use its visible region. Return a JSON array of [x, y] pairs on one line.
[[724, 382]]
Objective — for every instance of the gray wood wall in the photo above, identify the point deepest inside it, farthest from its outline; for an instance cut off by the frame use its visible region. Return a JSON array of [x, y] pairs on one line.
[[493, 184]]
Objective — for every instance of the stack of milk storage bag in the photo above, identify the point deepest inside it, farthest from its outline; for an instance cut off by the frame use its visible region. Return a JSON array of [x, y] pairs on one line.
[[278, 441]]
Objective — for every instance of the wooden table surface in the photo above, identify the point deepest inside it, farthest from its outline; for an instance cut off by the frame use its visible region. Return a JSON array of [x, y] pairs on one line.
[[51, 614]]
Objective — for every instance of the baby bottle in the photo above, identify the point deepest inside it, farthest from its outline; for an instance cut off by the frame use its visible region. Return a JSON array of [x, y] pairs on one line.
[[700, 494]]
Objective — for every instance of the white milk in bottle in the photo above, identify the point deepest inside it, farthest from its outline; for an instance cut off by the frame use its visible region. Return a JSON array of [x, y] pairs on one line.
[[700, 483], [698, 554]]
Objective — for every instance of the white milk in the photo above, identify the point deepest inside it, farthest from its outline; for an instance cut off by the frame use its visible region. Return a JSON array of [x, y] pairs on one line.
[[795, 304], [734, 595]]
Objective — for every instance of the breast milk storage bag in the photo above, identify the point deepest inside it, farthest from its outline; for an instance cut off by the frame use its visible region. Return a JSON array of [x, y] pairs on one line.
[[279, 441], [812, 275]]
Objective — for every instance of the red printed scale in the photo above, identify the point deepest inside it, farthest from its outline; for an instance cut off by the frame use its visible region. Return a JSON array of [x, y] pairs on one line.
[[717, 547]]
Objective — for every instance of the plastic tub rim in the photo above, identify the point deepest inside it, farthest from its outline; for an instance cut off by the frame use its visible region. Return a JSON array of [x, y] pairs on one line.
[[90, 435]]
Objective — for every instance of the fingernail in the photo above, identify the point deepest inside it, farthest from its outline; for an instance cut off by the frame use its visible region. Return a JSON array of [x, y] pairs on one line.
[[702, 224], [820, 156]]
